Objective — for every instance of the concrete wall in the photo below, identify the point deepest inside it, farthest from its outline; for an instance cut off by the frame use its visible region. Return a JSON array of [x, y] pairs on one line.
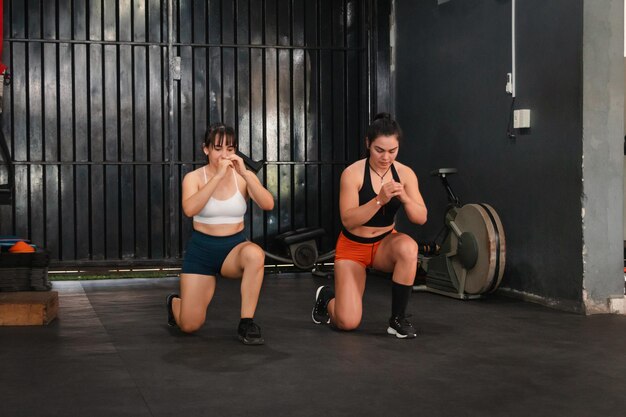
[[603, 135]]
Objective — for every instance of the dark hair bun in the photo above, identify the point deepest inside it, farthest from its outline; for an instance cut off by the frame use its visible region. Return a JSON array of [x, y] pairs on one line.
[[383, 125], [382, 115]]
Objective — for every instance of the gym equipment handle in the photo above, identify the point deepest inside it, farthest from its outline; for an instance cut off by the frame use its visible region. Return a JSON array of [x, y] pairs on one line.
[[250, 163]]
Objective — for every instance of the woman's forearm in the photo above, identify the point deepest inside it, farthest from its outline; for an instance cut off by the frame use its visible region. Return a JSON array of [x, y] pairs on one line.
[[416, 212], [358, 216], [263, 198]]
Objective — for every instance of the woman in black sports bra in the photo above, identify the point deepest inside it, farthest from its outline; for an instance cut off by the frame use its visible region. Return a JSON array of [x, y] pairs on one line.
[[372, 191]]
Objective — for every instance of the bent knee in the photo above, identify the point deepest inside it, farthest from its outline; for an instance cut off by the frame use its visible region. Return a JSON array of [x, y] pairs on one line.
[[190, 326], [252, 255], [407, 250], [347, 323]]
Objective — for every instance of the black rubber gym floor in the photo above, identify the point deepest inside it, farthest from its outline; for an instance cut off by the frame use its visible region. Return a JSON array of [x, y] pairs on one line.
[[110, 353]]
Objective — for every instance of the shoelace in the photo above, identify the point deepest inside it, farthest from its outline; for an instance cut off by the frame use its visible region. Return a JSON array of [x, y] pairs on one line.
[[321, 305], [253, 329], [403, 320]]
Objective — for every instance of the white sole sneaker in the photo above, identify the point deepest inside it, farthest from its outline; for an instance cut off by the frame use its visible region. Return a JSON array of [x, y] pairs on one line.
[[394, 332], [317, 294]]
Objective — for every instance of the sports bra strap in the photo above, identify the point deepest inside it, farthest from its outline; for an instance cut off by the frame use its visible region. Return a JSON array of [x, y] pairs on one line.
[[236, 182], [234, 176]]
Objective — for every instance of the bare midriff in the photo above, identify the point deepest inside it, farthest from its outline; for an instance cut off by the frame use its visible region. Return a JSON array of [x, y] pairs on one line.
[[218, 229], [367, 231]]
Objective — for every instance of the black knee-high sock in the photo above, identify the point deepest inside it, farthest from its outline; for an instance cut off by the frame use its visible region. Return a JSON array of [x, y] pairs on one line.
[[400, 298]]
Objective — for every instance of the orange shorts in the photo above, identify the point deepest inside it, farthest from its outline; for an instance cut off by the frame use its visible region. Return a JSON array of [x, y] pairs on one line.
[[358, 249]]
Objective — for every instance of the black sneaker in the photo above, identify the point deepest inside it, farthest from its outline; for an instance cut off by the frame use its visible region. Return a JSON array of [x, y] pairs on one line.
[[250, 333], [171, 321], [401, 328], [320, 309]]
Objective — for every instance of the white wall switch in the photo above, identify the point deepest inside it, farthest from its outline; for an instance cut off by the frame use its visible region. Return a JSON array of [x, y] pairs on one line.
[[509, 83], [521, 119]]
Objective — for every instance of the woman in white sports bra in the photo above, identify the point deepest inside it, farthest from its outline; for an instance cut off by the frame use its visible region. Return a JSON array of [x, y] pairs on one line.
[[216, 197]]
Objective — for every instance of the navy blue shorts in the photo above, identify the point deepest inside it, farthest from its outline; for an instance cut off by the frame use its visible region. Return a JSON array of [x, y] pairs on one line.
[[205, 254]]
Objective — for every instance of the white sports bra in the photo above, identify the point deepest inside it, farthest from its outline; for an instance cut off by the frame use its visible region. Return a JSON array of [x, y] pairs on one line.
[[229, 211]]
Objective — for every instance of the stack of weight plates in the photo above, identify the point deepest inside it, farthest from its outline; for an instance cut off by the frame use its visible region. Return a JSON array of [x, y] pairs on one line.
[[24, 271]]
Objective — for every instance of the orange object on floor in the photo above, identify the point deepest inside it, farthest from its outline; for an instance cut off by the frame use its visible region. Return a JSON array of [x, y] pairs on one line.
[[21, 247]]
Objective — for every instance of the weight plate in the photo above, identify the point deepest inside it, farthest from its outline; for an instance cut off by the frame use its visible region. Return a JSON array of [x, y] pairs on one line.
[[501, 261], [472, 218], [305, 256]]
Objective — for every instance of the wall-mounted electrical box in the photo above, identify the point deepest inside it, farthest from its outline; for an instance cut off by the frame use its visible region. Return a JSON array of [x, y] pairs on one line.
[[521, 119]]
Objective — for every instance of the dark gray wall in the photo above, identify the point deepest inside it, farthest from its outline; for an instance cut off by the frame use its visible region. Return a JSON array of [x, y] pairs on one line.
[[452, 62]]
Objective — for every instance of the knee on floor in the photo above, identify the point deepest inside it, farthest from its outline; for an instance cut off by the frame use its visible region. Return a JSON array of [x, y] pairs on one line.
[[190, 326], [347, 323]]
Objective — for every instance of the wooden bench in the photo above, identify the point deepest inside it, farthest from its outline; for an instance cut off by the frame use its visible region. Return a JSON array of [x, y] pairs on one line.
[[28, 308]]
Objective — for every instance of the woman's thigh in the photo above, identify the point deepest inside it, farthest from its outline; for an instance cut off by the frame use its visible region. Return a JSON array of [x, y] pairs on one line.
[[245, 254], [349, 289], [196, 292]]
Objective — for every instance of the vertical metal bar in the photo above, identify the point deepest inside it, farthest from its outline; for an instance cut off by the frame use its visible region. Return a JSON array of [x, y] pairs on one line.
[[298, 125], [215, 64], [171, 238], [284, 117], [140, 113], [364, 71], [271, 113], [188, 148], [96, 131], [352, 96], [19, 120], [242, 84], [383, 85], [338, 103], [66, 134], [6, 211], [311, 80], [200, 80], [126, 130], [51, 132], [242, 81], [229, 78], [326, 133], [256, 85], [111, 133], [338, 81], [391, 64], [81, 133], [370, 60], [156, 91], [35, 126]]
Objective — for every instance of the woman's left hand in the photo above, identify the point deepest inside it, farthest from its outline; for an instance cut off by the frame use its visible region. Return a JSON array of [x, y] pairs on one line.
[[401, 193], [238, 164]]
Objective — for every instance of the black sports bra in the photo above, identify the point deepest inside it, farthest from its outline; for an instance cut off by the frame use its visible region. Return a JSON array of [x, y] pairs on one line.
[[386, 215]]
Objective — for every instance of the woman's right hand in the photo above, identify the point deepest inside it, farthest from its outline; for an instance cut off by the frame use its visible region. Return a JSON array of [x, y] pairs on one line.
[[389, 191], [224, 164]]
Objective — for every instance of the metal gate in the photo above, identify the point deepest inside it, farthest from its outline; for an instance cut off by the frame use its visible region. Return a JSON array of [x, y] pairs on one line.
[[110, 101]]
